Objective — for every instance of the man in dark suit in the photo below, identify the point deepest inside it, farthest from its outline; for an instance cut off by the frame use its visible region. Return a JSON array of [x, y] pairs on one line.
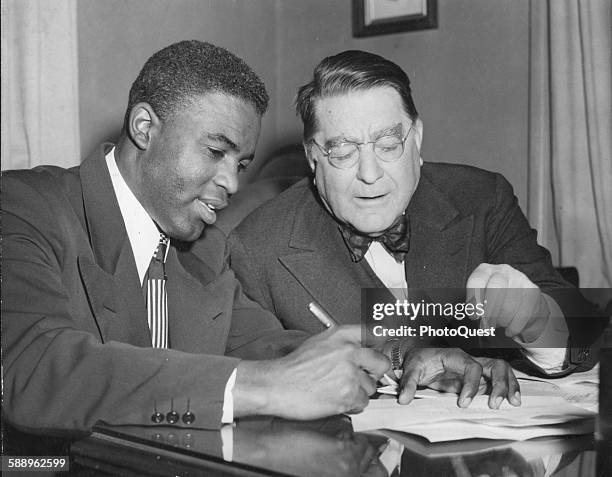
[[376, 216], [115, 307]]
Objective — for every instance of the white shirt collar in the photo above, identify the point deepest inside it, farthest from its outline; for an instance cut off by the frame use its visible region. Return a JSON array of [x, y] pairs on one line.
[[141, 230]]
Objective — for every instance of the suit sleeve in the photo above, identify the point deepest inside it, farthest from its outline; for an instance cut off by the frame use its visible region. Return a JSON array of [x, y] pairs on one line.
[[59, 378], [255, 332], [248, 273], [512, 241]]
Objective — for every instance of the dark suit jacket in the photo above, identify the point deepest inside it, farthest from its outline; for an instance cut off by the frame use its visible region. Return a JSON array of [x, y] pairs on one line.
[[75, 341], [289, 252]]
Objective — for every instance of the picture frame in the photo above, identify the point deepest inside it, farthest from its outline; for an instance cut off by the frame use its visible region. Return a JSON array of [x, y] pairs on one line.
[[381, 17]]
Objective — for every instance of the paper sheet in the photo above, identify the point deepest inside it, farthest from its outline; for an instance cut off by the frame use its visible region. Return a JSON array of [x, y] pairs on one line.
[[580, 389], [453, 431], [591, 376], [442, 419]]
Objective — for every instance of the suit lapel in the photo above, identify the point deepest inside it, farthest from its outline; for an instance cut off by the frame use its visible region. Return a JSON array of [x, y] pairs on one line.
[[110, 277], [439, 240], [319, 258], [199, 303]]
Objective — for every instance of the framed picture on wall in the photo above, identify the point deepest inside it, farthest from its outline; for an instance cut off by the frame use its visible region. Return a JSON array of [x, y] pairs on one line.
[[380, 17]]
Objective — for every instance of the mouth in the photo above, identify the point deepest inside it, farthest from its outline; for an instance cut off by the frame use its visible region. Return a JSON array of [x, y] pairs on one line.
[[371, 199], [208, 208]]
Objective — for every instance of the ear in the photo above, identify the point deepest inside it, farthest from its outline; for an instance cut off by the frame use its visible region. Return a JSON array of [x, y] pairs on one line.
[[418, 132], [143, 122], [309, 156]]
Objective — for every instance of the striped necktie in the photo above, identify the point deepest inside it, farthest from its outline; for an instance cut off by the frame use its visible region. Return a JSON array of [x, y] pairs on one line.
[[156, 296]]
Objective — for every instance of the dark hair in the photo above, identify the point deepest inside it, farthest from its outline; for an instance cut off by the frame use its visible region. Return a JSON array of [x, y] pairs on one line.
[[348, 71], [178, 73]]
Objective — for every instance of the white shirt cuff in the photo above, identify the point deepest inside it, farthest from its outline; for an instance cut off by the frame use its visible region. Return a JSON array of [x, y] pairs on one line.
[[227, 442], [228, 399], [541, 352]]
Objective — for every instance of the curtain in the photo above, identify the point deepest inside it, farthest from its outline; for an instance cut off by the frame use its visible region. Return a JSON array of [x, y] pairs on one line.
[[570, 131], [40, 123]]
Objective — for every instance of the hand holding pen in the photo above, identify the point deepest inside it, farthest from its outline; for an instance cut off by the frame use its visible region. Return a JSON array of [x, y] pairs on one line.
[[327, 321]]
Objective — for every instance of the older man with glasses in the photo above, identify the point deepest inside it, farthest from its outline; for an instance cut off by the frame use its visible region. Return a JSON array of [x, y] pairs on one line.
[[374, 215]]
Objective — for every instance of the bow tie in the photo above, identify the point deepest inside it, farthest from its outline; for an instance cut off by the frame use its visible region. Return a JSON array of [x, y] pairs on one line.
[[396, 240]]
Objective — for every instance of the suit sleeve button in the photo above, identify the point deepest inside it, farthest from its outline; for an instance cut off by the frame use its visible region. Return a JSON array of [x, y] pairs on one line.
[[188, 417], [172, 417], [157, 417]]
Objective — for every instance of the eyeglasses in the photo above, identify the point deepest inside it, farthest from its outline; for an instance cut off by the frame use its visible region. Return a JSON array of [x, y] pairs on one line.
[[345, 155]]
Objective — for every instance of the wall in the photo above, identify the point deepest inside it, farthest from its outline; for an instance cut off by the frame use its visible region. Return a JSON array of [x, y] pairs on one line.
[[469, 75]]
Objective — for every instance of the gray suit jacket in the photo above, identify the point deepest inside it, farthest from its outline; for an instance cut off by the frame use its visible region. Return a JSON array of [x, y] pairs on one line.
[[290, 252], [76, 343]]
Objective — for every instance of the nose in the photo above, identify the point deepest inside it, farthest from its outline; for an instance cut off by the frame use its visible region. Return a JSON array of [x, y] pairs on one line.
[[368, 169], [227, 176]]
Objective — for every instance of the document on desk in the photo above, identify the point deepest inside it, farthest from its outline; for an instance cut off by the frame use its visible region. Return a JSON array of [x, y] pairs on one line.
[[580, 389], [440, 419]]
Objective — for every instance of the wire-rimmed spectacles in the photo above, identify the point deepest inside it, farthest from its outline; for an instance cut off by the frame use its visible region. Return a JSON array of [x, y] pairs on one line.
[[344, 155]]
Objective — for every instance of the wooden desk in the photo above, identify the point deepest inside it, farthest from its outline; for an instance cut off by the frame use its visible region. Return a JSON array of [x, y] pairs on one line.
[[321, 448]]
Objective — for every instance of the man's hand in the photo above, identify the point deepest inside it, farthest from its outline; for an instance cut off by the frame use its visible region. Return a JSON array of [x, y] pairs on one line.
[[330, 373], [453, 370], [511, 301]]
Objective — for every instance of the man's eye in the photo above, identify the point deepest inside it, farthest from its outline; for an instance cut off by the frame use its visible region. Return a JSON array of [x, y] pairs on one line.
[[343, 150], [215, 153], [387, 144], [344, 157], [242, 165], [390, 148]]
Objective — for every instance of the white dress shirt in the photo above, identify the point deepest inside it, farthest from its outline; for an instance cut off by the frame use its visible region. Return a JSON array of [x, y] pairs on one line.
[[392, 274], [143, 235]]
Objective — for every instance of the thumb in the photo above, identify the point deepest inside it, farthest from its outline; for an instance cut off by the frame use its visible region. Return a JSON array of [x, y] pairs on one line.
[[408, 385], [344, 333]]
